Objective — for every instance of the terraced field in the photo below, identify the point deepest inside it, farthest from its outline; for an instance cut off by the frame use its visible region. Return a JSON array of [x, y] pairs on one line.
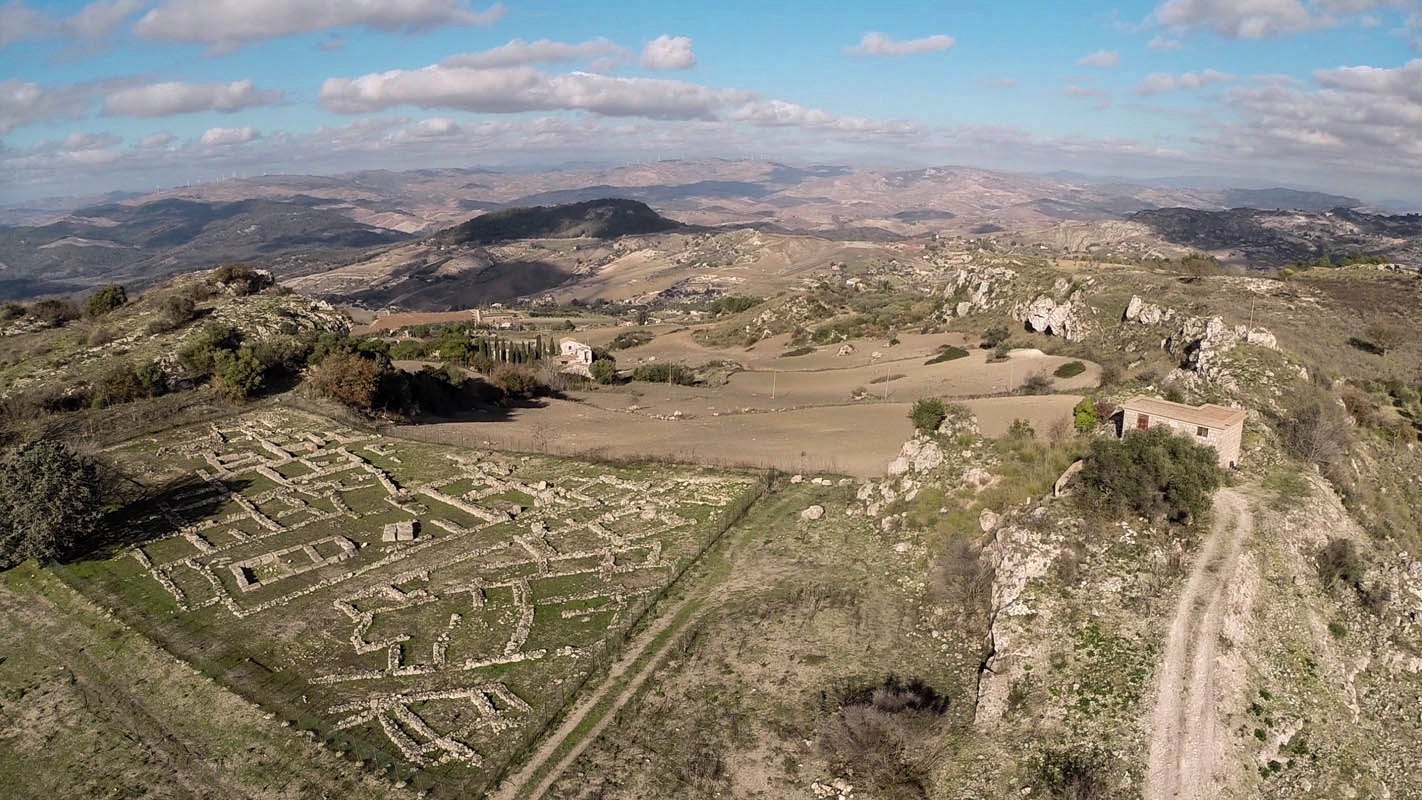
[[426, 608]]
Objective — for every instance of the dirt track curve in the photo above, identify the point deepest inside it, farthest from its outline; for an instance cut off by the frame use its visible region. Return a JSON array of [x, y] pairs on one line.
[[1185, 733]]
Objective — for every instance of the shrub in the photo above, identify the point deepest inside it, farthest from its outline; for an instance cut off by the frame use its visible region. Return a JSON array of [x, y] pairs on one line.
[[678, 374], [1000, 352], [1037, 383], [1152, 473], [10, 311], [1071, 369], [629, 339], [1315, 429], [927, 414], [733, 304], [50, 502], [124, 382], [1085, 416], [798, 351], [1339, 563], [995, 336], [947, 353], [54, 313], [347, 378], [176, 311], [1386, 336], [198, 358], [239, 374], [105, 300], [515, 381], [1072, 775], [881, 735], [241, 279], [603, 370]]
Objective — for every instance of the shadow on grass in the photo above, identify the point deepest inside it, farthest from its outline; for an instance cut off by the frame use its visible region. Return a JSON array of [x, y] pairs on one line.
[[155, 514]]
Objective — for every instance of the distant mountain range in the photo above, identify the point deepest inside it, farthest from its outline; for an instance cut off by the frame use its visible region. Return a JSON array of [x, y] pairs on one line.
[[299, 224], [595, 219]]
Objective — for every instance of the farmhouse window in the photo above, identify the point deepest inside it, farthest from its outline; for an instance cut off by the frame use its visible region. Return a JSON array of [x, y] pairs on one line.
[[1201, 430], [1143, 422]]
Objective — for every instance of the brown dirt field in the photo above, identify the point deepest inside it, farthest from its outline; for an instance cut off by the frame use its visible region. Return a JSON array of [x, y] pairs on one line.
[[857, 440]]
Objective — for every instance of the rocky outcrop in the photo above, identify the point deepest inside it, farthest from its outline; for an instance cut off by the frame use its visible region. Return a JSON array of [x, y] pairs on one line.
[[1145, 313], [981, 289], [919, 454], [1063, 312]]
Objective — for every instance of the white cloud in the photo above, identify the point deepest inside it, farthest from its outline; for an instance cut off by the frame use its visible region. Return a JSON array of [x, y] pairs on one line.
[[97, 20], [779, 113], [19, 22], [167, 99], [1237, 19], [1404, 82], [1159, 82], [518, 89], [519, 53], [1101, 59], [225, 25], [228, 137], [156, 140], [92, 23], [26, 103], [1159, 42], [881, 44], [668, 52]]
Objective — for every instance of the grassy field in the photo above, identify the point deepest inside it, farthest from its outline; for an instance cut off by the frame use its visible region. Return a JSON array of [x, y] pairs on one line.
[[91, 708], [262, 561]]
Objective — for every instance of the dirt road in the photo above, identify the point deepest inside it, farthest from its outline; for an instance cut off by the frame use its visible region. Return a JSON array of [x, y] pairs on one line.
[[1186, 739]]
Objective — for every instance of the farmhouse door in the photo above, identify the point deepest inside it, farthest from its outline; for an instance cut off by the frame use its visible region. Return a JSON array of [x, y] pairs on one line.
[[1143, 422]]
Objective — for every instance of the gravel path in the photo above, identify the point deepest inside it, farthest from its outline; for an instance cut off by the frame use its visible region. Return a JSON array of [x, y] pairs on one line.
[[1186, 737]]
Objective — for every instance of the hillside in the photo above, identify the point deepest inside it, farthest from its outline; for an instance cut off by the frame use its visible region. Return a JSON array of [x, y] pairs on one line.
[[591, 219], [144, 243], [1280, 238]]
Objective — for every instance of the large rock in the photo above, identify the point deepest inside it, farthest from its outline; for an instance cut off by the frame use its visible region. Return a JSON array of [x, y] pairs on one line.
[[1046, 314], [813, 513], [919, 455], [1145, 313]]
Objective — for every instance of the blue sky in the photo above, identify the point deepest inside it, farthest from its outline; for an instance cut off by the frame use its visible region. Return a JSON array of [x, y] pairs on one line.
[[135, 94]]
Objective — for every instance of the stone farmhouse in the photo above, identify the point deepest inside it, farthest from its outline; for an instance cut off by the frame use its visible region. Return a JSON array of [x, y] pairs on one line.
[[575, 357], [1217, 426]]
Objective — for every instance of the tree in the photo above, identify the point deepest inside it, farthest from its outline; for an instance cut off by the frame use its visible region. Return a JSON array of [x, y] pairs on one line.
[[1085, 416], [603, 370], [239, 374], [105, 300], [49, 502], [927, 414], [350, 379], [1152, 473], [54, 313], [995, 336]]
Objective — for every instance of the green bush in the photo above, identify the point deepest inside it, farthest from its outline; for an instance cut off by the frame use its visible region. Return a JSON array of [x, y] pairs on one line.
[[733, 304], [927, 414], [1071, 369], [1085, 416], [1152, 473], [603, 370], [54, 313], [947, 353], [50, 502], [240, 374], [995, 336], [629, 339], [105, 300], [124, 382], [664, 373], [798, 351]]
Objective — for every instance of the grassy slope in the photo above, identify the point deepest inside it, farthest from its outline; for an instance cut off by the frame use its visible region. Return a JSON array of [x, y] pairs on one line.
[[89, 707]]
